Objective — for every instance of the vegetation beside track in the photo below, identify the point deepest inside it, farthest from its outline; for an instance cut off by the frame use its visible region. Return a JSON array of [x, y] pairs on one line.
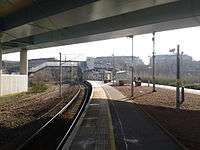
[[172, 82], [54, 134], [183, 123], [38, 87], [34, 88], [51, 135]]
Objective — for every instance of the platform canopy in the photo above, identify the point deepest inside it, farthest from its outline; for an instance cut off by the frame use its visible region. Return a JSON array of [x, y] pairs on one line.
[[34, 24]]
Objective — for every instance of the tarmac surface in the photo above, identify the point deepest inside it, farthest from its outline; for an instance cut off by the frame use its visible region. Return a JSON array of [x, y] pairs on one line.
[[112, 122]]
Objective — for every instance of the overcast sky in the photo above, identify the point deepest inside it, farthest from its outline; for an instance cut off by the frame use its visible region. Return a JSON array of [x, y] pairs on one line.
[[188, 38]]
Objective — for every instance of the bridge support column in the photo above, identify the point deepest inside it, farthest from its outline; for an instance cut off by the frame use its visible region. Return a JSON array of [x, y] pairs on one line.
[[23, 62], [0, 69], [24, 70], [1, 49]]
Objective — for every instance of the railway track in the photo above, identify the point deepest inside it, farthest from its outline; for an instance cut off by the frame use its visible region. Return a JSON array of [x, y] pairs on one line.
[[55, 132]]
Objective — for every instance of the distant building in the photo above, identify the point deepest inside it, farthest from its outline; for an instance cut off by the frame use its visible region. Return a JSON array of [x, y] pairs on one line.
[[166, 67], [90, 61], [161, 59], [36, 62], [96, 67], [50, 72], [10, 67], [108, 62]]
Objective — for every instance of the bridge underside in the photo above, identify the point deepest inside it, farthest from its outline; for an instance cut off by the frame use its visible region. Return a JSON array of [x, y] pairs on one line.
[[93, 20]]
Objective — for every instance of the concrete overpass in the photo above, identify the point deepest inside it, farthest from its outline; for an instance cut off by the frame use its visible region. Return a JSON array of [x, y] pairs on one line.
[[33, 24]]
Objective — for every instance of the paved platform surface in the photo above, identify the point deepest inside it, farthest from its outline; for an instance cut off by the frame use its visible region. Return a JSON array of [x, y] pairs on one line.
[[113, 122], [95, 130]]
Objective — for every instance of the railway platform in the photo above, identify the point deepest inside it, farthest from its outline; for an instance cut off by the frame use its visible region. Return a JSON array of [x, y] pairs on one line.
[[111, 122]]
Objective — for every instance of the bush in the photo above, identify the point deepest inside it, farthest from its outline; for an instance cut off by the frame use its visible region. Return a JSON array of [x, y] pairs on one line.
[[172, 82], [193, 86], [38, 87]]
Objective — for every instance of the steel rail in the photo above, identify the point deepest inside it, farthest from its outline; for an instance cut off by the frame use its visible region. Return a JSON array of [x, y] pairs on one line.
[[87, 94], [50, 121]]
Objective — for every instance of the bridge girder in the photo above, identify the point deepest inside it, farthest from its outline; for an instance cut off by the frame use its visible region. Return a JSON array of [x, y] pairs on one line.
[[103, 19]]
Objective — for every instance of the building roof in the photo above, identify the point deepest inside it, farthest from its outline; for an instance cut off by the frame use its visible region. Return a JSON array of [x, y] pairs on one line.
[[53, 64]]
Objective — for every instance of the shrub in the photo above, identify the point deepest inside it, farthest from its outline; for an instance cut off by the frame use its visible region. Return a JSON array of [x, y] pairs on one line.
[[172, 82], [193, 86], [38, 87]]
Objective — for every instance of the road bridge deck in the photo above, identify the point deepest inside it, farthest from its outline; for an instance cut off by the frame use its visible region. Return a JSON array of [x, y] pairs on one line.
[[112, 122]]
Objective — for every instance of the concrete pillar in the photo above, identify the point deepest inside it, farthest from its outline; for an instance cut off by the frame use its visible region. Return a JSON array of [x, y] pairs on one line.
[[0, 58], [0, 69], [23, 62]]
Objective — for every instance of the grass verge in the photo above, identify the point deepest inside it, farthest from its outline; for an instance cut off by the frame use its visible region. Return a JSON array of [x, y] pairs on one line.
[[38, 87], [172, 82]]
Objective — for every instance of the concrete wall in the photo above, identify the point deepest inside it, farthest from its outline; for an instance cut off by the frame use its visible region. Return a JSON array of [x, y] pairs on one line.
[[13, 84]]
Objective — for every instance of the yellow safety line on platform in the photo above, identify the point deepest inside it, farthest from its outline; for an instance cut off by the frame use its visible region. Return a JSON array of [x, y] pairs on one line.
[[99, 92], [112, 136]]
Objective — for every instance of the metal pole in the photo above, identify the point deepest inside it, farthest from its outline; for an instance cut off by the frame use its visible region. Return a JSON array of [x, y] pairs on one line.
[[178, 78], [1, 49], [132, 86], [72, 71], [0, 66], [113, 69], [70, 63], [182, 94], [60, 89], [153, 67]]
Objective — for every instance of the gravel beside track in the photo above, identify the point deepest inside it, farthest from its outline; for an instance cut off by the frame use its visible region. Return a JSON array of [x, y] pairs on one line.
[[183, 124], [22, 115], [50, 137]]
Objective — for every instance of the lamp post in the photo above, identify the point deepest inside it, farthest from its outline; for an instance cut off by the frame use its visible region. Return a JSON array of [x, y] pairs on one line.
[[132, 63], [178, 79], [60, 87], [153, 63], [149, 71], [177, 76], [113, 70]]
